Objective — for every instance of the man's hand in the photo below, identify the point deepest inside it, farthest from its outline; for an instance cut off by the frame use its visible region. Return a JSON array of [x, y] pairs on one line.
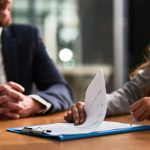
[[141, 109], [24, 108], [14, 104]]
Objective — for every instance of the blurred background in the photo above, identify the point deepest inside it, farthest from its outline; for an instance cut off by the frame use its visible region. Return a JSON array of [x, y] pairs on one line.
[[84, 35]]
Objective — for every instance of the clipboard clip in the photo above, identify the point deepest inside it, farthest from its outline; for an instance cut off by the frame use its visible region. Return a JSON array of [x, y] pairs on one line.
[[38, 130]]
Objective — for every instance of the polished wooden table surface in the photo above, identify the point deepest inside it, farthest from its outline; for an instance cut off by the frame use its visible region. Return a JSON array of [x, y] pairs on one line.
[[128, 141]]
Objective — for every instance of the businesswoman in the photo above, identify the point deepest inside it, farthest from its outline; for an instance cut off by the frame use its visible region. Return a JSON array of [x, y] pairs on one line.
[[133, 97]]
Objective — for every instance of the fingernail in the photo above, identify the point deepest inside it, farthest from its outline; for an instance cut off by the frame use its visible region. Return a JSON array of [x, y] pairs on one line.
[[16, 116], [76, 122], [23, 89]]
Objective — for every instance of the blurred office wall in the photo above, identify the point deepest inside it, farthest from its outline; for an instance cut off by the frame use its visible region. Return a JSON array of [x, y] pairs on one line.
[[79, 36]]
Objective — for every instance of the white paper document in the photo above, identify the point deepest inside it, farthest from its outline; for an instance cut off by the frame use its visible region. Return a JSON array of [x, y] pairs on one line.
[[95, 107]]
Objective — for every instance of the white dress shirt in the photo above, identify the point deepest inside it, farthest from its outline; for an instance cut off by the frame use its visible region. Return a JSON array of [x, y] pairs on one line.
[[2, 71], [3, 80]]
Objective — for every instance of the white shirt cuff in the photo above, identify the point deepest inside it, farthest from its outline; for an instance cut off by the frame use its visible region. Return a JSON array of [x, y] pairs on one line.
[[43, 102]]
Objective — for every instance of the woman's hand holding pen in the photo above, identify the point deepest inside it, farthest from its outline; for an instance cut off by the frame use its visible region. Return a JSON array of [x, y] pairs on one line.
[[141, 109], [76, 114]]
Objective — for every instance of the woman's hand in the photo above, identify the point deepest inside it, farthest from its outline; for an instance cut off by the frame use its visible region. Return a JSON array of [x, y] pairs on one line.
[[141, 109], [76, 114]]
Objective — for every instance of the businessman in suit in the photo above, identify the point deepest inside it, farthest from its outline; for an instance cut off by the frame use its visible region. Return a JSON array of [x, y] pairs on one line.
[[24, 61]]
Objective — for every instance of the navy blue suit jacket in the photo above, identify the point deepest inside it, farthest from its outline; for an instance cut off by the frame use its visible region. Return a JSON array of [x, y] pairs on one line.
[[26, 62]]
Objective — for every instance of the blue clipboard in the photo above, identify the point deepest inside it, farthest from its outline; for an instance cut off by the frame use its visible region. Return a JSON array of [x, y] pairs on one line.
[[64, 137]]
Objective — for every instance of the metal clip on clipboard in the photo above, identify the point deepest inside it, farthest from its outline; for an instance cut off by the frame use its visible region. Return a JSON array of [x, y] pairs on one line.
[[38, 130]]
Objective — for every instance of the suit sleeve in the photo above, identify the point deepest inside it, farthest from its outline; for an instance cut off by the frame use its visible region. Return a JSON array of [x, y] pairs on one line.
[[50, 83], [119, 100]]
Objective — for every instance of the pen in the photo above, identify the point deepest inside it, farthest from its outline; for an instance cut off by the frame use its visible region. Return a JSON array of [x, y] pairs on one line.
[[132, 122]]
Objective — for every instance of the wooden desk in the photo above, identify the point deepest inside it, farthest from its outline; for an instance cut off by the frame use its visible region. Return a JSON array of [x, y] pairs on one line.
[[128, 141]]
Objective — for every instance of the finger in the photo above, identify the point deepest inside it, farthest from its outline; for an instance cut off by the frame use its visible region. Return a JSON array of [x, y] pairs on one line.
[[12, 115], [139, 112], [135, 106], [68, 117], [75, 114], [82, 115], [7, 90], [12, 106], [4, 88], [16, 86], [15, 95], [3, 111], [144, 116], [4, 99]]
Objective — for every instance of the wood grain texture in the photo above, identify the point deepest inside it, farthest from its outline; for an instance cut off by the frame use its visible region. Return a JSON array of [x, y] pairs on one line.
[[127, 141]]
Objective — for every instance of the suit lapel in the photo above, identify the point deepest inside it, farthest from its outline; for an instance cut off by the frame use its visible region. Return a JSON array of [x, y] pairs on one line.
[[9, 51]]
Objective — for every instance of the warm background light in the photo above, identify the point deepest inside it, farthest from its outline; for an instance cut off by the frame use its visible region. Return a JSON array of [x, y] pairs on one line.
[[65, 55]]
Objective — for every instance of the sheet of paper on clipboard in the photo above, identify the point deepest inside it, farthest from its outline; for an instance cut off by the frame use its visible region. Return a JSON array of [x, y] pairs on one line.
[[95, 107]]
